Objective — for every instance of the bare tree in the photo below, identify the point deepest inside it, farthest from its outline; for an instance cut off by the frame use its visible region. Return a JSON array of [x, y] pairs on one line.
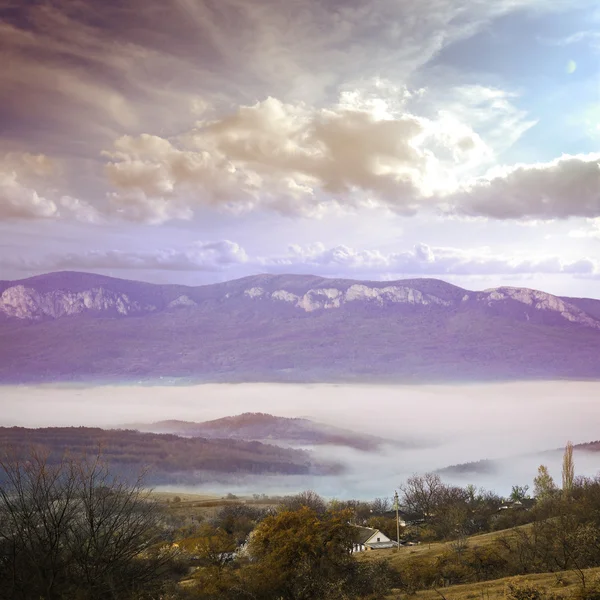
[[308, 498], [69, 529], [422, 493], [380, 506]]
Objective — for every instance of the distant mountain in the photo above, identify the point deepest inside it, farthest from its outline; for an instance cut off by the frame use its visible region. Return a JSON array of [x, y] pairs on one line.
[[168, 458], [266, 428], [79, 326]]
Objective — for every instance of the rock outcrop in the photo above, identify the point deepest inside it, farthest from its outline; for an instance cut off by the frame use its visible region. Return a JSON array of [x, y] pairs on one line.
[[22, 301], [26, 303]]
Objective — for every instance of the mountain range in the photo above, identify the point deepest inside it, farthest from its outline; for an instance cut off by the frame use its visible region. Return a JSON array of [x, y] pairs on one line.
[[81, 326]]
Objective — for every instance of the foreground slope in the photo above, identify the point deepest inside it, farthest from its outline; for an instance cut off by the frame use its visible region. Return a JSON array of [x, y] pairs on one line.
[[290, 327]]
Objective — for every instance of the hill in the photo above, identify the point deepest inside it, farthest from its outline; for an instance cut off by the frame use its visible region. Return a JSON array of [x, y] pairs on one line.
[[168, 458], [266, 428], [78, 326], [495, 466]]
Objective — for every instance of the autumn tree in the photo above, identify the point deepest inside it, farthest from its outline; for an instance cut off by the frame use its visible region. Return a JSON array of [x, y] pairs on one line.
[[300, 555], [568, 469], [543, 484], [238, 520], [519, 493]]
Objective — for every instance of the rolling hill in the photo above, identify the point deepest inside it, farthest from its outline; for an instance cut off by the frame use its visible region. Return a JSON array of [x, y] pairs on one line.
[[168, 458], [80, 326], [266, 428], [494, 466]]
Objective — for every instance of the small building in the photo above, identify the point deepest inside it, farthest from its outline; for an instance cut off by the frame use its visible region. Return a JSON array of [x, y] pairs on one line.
[[524, 504], [367, 538]]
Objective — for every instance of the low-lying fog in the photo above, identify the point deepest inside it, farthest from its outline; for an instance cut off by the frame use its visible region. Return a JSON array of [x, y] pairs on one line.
[[449, 424]]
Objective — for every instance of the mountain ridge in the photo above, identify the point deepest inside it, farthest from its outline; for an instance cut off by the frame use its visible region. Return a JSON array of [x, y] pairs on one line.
[[66, 293], [73, 326]]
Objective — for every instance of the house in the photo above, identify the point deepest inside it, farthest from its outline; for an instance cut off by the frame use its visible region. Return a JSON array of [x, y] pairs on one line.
[[404, 518], [367, 538], [524, 504]]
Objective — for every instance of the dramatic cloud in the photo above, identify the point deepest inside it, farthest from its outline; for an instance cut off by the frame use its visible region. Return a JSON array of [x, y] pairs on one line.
[[117, 66], [295, 160], [327, 136], [221, 120]]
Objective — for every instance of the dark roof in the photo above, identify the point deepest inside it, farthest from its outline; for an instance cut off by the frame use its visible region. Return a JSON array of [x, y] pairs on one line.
[[363, 534], [382, 545]]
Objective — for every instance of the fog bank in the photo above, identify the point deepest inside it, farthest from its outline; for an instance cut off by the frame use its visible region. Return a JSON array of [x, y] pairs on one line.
[[451, 423]]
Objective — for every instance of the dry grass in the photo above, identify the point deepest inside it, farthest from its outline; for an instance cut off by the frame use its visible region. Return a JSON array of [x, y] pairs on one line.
[[169, 496], [562, 584], [434, 549], [203, 506]]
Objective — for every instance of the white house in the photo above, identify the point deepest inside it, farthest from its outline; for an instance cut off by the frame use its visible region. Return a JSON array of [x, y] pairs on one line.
[[367, 538]]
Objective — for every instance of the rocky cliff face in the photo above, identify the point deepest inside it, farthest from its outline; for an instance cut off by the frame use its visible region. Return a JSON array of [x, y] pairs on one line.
[[73, 326], [21, 301], [327, 298], [540, 301], [26, 303]]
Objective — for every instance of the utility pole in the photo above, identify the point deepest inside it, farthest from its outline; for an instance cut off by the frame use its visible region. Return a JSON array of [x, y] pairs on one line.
[[397, 520]]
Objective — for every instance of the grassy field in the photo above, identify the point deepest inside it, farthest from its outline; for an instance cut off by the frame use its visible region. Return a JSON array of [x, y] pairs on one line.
[[432, 550], [200, 507], [557, 584], [563, 584]]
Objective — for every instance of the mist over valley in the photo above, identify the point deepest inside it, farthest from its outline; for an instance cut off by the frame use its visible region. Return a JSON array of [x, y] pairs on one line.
[[417, 428]]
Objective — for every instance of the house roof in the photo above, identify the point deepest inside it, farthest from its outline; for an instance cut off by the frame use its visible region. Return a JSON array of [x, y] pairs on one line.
[[363, 534], [381, 545]]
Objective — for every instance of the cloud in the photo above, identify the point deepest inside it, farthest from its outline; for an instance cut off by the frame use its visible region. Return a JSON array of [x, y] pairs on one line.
[[566, 187], [492, 112], [19, 196], [20, 202], [424, 260], [592, 231], [332, 134], [201, 256], [592, 37], [317, 259], [137, 63], [295, 159]]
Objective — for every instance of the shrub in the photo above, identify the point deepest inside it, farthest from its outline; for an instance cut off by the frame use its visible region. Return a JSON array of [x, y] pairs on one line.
[[522, 590]]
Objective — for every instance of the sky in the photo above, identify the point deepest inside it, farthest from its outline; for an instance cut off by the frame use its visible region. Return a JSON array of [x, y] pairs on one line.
[[196, 141]]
